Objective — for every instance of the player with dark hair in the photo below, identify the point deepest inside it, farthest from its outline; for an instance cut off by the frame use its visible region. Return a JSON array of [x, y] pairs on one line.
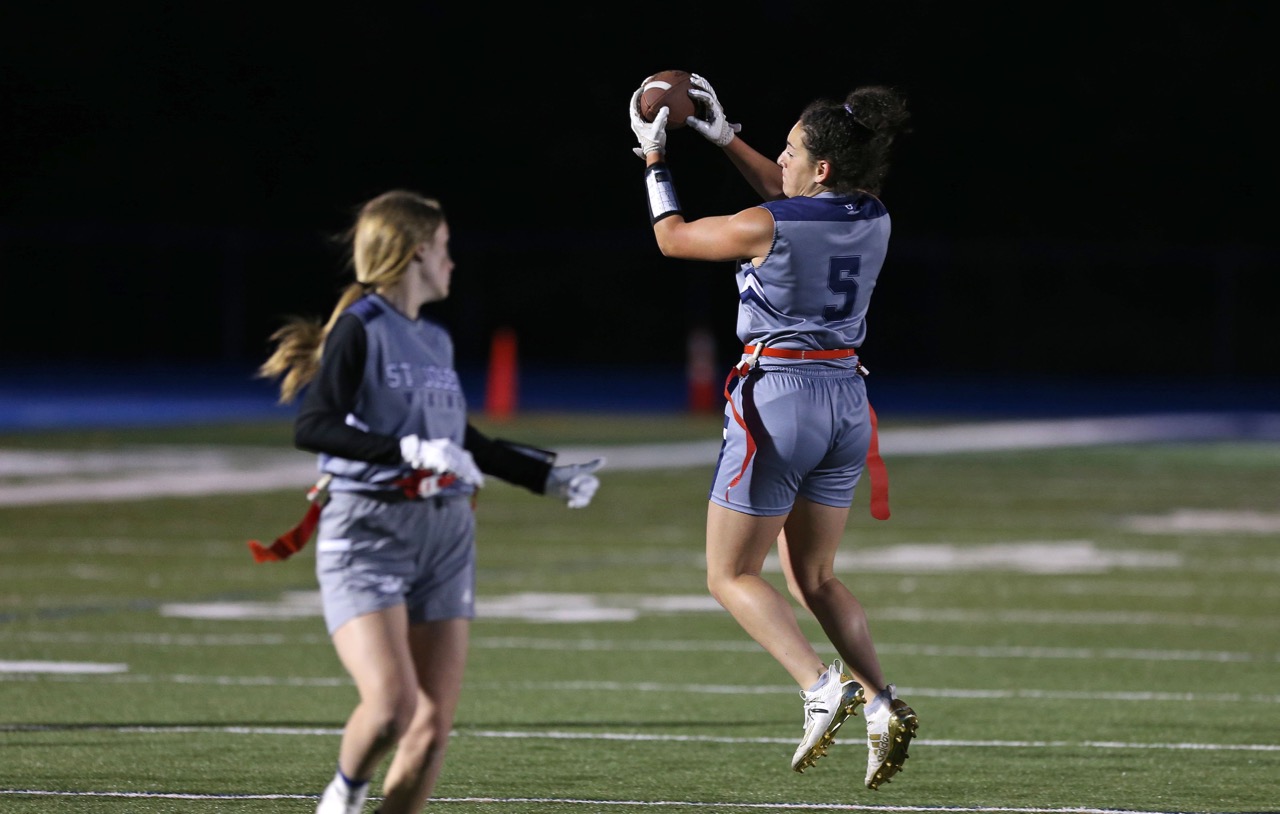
[[799, 430], [395, 553]]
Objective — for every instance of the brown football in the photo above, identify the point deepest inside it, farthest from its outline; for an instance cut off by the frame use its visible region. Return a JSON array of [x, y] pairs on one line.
[[668, 89]]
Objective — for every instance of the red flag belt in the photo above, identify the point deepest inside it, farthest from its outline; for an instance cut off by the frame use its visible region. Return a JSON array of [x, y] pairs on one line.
[[296, 538]]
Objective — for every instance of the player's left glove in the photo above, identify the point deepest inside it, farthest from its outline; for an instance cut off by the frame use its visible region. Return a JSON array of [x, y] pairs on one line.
[[440, 456], [717, 129], [574, 483], [651, 135]]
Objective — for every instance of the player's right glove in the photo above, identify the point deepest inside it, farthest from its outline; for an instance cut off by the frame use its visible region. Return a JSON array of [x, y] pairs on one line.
[[717, 129], [575, 483], [651, 135], [441, 456]]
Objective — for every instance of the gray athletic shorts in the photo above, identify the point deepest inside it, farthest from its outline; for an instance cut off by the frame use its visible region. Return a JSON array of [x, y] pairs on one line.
[[373, 553], [812, 428]]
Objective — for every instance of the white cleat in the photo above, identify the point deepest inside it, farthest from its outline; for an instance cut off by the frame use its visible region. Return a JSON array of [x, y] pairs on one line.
[[825, 711], [891, 725], [339, 798]]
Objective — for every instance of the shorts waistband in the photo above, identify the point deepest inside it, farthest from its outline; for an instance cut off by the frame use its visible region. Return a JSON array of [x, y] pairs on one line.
[[398, 496]]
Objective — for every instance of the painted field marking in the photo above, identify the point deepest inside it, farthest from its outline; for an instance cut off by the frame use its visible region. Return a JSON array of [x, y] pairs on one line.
[[138, 473], [635, 737], [522, 803], [61, 667]]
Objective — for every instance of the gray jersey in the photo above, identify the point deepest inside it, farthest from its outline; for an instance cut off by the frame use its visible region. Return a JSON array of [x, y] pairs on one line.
[[803, 426], [409, 388], [814, 286]]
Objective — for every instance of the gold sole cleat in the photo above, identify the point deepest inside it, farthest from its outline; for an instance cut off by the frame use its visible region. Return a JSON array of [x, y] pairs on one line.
[[903, 724], [851, 699]]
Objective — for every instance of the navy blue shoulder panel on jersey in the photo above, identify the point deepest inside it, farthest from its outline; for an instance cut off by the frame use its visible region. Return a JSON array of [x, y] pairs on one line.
[[827, 208], [368, 309]]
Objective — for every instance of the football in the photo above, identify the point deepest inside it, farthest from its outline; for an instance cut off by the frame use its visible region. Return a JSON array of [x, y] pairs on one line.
[[668, 89]]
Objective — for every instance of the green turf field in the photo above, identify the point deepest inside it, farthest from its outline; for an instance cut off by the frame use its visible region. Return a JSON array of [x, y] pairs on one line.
[[1094, 628]]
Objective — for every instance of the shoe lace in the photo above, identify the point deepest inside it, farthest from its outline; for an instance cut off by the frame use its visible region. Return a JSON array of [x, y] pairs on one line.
[[814, 704]]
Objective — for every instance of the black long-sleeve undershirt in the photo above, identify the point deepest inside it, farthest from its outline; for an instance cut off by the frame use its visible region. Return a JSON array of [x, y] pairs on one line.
[[321, 422]]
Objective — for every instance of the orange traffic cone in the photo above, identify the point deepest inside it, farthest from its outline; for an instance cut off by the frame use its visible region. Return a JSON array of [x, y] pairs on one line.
[[501, 393], [701, 374]]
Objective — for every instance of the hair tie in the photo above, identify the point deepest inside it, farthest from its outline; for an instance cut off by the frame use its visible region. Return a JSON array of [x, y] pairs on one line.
[[853, 116]]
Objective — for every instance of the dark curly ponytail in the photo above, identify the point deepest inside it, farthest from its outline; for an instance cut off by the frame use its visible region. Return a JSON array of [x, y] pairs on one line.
[[856, 136]]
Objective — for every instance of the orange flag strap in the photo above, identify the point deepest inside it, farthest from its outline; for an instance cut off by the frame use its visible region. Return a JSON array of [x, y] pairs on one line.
[[293, 540], [739, 372], [877, 472]]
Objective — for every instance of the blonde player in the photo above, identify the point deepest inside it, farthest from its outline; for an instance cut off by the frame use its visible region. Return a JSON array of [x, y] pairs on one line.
[[395, 551]]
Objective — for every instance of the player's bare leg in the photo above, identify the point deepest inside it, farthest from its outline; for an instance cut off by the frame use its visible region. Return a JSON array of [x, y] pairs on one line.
[[737, 544], [374, 649], [439, 653], [807, 549]]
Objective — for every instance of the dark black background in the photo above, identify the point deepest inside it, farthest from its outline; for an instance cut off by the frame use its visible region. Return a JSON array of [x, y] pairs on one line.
[[1089, 188]]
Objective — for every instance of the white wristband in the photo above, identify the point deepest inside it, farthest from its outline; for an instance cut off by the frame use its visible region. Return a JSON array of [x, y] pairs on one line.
[[662, 192]]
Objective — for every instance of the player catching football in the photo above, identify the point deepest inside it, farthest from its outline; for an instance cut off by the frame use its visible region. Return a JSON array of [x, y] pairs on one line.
[[799, 429], [395, 554]]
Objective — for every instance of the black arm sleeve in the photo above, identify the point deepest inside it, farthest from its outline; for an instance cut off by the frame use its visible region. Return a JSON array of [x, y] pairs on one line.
[[321, 425], [514, 463]]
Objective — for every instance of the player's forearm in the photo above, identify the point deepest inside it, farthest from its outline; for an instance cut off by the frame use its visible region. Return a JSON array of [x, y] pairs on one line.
[[763, 174], [317, 432]]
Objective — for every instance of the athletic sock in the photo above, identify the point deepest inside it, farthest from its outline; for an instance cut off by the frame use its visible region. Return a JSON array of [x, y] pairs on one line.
[[874, 706], [821, 682], [354, 791]]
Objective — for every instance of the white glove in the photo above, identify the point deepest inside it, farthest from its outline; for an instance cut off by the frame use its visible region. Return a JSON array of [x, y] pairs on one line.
[[651, 135], [441, 456], [718, 130], [575, 483]]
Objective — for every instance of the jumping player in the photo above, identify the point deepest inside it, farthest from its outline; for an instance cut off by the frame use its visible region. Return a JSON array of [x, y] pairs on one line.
[[799, 430], [395, 552]]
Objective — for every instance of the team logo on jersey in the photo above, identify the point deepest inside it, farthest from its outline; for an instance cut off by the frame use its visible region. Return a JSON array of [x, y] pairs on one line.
[[411, 376]]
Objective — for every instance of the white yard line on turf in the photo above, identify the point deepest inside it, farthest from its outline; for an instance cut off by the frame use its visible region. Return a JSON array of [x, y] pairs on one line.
[[40, 477], [1146, 697], [522, 804], [650, 737], [628, 646]]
